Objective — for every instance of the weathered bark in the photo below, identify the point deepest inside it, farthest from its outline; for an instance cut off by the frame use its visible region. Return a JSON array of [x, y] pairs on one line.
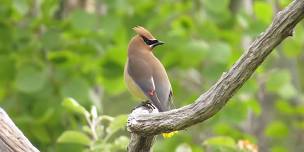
[[138, 142], [11, 138], [209, 103]]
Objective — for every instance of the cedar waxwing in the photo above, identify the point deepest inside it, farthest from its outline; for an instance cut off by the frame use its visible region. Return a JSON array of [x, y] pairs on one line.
[[145, 76]]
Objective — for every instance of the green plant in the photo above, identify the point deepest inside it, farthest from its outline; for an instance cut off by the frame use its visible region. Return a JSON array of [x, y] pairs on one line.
[[97, 133]]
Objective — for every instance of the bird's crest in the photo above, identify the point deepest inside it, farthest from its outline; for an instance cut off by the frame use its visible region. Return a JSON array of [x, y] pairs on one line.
[[143, 32]]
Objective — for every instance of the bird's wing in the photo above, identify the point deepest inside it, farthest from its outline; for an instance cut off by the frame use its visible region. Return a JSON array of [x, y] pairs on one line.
[[163, 90], [170, 99], [141, 74], [162, 84]]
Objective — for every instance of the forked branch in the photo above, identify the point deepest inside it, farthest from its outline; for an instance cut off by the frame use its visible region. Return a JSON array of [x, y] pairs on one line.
[[209, 103]]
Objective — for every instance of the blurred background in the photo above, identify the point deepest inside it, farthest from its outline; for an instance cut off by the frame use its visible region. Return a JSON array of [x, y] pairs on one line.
[[53, 49]]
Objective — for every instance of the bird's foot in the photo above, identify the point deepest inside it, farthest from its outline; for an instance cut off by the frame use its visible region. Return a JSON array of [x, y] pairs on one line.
[[147, 104]]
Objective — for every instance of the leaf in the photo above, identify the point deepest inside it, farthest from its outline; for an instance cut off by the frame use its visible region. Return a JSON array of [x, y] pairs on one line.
[[74, 137], [118, 123], [49, 7], [279, 148], [73, 105], [193, 53], [21, 7], [181, 26], [82, 21], [30, 79], [255, 106], [263, 11], [77, 88], [86, 129], [300, 109], [292, 48], [113, 86], [276, 129], [235, 112], [225, 130], [243, 21], [106, 118], [7, 70], [221, 5], [280, 83], [183, 148], [222, 141], [300, 125], [121, 142], [118, 53], [219, 14], [51, 40], [287, 91], [283, 3], [284, 107], [46, 116], [219, 52], [41, 133]]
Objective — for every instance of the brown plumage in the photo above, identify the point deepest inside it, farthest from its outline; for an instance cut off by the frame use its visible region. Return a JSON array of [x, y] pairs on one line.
[[145, 76]]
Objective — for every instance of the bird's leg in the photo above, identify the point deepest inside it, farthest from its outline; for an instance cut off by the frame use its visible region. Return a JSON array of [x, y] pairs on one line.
[[147, 104]]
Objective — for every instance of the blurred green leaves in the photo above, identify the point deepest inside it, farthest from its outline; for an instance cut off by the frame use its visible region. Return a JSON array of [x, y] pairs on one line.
[[280, 82], [82, 21], [276, 129], [219, 14], [77, 88], [219, 52], [73, 105], [117, 123], [76, 137], [7, 70], [97, 131], [263, 11], [285, 107], [220, 141], [30, 79], [21, 7]]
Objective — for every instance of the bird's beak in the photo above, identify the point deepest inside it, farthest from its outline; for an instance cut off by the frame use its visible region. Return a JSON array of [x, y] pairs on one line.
[[160, 43], [157, 43]]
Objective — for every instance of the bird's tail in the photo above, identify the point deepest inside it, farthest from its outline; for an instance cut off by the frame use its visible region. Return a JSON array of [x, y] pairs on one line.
[[169, 134]]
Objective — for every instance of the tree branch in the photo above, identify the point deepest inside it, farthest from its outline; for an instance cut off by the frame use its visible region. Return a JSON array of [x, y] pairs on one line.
[[11, 138], [147, 124]]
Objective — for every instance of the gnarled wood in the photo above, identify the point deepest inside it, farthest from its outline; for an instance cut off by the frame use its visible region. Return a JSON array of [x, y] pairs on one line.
[[216, 97], [11, 138], [138, 142]]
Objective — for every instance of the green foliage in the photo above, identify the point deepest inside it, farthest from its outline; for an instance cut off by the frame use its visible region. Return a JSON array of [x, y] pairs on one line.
[[281, 83], [228, 144], [117, 124], [76, 137], [263, 11], [223, 142], [276, 129], [73, 105], [30, 80], [95, 134]]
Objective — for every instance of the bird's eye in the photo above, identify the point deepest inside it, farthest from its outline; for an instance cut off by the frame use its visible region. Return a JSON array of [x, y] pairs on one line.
[[149, 42]]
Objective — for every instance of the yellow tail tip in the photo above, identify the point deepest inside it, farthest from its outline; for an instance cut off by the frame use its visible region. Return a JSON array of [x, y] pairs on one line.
[[169, 134]]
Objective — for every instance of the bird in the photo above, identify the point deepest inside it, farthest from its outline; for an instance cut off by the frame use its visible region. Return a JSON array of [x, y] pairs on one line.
[[145, 76]]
